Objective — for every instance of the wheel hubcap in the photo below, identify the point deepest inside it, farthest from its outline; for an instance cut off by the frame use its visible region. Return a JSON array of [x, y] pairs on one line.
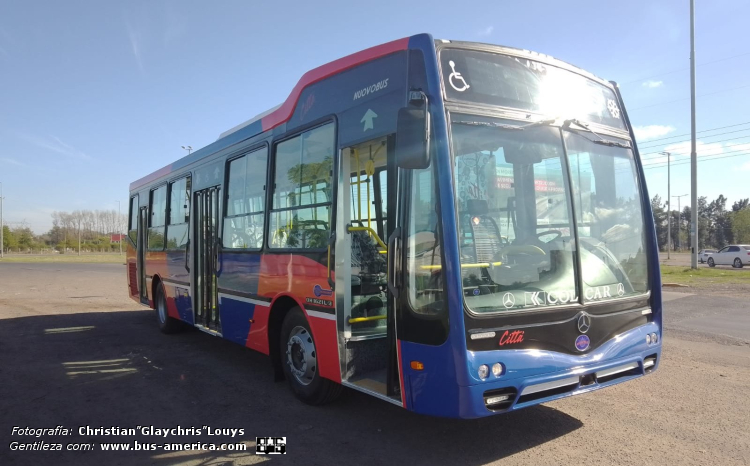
[[161, 307], [300, 355]]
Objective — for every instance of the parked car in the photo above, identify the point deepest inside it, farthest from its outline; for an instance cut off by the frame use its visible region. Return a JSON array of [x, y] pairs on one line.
[[736, 255], [704, 253]]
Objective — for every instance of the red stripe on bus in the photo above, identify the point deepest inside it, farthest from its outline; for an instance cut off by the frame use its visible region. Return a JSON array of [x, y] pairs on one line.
[[284, 113], [326, 346], [257, 337]]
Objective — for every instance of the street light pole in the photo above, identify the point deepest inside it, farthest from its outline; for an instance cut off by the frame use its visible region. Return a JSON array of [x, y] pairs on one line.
[[693, 154], [669, 204], [679, 219], [188, 148]]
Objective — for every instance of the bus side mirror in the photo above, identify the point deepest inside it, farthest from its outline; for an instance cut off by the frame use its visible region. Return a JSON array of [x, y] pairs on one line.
[[413, 133]]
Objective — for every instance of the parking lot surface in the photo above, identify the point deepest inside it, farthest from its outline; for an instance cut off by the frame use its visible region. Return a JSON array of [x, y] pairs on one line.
[[77, 352]]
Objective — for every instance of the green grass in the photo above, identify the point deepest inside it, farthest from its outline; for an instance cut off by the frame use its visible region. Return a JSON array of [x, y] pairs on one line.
[[59, 258], [703, 275]]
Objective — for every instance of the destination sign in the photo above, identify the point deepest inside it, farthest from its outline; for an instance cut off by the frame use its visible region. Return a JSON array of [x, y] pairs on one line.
[[519, 83]]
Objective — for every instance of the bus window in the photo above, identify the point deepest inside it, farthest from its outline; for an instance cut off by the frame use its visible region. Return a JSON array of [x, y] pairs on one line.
[[514, 214], [245, 201], [423, 256], [301, 212], [133, 228], [179, 213], [158, 209], [609, 216]]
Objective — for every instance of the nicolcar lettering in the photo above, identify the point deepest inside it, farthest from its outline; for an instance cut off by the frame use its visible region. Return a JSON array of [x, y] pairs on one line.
[[541, 298], [371, 89], [508, 338]]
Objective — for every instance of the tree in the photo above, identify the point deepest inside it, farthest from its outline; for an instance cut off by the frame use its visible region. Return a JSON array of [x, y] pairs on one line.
[[25, 237], [740, 205], [660, 221], [719, 223], [741, 225], [9, 238]]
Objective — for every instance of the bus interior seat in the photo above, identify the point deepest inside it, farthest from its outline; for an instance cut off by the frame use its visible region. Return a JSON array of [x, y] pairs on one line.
[[485, 232], [368, 282]]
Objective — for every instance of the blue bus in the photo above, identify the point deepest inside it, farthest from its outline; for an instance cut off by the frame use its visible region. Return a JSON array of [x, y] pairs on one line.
[[459, 229]]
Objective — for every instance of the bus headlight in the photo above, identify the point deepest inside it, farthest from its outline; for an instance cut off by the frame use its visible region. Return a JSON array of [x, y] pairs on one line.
[[497, 369], [648, 338], [483, 371], [654, 338]]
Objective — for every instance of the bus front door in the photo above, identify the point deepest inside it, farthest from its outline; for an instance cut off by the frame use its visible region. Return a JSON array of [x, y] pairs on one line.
[[365, 306], [206, 260]]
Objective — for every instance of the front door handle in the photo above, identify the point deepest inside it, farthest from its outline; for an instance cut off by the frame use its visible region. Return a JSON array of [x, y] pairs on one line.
[[394, 252], [187, 255], [331, 255]]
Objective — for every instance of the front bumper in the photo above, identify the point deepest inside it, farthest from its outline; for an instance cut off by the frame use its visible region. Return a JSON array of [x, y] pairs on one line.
[[532, 377]]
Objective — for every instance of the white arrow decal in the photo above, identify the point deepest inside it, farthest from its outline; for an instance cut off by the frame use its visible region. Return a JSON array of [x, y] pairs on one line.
[[367, 119]]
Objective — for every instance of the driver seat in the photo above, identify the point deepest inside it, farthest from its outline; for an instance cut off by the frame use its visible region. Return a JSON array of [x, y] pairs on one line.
[[486, 233]]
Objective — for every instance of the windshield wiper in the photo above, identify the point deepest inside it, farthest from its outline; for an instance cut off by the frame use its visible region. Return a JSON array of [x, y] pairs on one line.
[[504, 126], [601, 141]]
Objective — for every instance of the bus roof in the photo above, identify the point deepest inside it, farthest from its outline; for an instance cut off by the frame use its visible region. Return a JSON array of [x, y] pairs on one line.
[[282, 113]]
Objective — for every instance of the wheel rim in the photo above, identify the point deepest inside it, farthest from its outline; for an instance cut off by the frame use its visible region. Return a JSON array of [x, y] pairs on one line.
[[300, 355], [161, 308], [737, 263], [711, 262]]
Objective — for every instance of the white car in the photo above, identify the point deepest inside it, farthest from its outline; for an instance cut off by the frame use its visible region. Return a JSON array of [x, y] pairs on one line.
[[736, 255], [703, 255]]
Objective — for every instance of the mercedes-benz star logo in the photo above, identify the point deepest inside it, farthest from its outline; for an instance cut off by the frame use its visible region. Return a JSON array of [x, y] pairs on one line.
[[584, 323], [620, 289], [509, 300]]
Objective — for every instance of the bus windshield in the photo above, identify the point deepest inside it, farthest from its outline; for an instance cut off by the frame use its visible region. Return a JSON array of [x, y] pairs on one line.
[[531, 202]]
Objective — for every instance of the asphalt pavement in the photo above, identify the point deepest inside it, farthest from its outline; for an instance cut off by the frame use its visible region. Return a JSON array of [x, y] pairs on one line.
[[77, 352]]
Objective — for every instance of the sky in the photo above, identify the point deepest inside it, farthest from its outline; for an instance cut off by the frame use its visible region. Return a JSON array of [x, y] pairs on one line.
[[94, 95]]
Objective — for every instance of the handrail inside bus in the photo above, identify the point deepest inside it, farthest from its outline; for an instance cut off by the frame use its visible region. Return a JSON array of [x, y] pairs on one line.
[[356, 320], [374, 235], [479, 265]]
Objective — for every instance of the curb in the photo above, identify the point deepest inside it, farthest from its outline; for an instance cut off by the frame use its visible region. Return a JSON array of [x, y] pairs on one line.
[[674, 285]]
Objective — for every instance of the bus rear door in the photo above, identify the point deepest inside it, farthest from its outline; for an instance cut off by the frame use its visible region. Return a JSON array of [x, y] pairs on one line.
[[206, 260]]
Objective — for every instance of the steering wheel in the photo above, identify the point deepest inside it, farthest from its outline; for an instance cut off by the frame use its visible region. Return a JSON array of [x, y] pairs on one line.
[[557, 234], [527, 249]]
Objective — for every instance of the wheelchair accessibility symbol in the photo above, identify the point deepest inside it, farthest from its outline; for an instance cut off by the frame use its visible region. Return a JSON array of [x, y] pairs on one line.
[[456, 76]]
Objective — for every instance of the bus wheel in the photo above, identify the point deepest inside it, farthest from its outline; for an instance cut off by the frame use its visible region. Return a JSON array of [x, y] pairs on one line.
[[300, 362], [166, 324]]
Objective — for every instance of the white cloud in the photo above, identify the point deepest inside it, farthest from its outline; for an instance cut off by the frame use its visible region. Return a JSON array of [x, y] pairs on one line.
[[644, 133], [745, 167], [734, 146], [681, 151], [54, 144], [486, 31], [651, 84], [13, 162], [135, 44]]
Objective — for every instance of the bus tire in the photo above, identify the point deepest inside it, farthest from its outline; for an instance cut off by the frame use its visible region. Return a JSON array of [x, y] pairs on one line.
[[166, 324], [299, 361]]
